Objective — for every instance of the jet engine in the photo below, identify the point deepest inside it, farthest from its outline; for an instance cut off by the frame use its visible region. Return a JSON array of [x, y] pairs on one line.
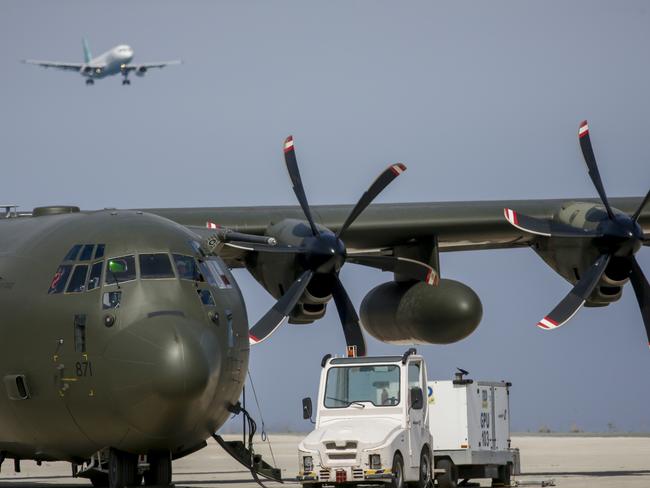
[[414, 313], [141, 70]]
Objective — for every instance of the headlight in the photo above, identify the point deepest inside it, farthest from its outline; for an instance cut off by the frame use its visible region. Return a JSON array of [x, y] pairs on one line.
[[307, 464], [375, 461]]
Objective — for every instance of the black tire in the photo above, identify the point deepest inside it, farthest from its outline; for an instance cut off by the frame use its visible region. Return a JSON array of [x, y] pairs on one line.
[[122, 469], [160, 469], [505, 475], [398, 472], [448, 479], [424, 480], [99, 480]]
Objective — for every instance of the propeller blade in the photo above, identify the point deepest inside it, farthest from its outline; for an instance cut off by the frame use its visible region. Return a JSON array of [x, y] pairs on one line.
[[642, 292], [576, 298], [590, 159], [349, 318], [280, 311], [546, 228], [294, 174], [382, 181], [415, 270], [645, 201], [251, 246]]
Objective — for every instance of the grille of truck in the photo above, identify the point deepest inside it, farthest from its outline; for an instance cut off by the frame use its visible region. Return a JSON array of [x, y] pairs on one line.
[[331, 446], [342, 456], [357, 473], [324, 474]]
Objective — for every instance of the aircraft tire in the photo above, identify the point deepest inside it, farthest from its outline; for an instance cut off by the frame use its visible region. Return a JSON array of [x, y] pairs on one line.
[[100, 480], [122, 469], [160, 469]]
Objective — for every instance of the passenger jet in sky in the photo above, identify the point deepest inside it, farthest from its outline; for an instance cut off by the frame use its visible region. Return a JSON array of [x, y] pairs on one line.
[[114, 61]]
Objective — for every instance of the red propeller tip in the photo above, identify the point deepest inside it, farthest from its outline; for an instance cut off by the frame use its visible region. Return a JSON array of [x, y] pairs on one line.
[[288, 144], [584, 129], [398, 169]]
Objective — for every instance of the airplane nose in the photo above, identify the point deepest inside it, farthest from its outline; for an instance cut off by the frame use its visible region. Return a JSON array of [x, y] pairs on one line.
[[163, 368]]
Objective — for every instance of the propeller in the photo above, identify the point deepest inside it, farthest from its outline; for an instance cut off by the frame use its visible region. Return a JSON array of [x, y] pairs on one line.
[[324, 253], [618, 237]]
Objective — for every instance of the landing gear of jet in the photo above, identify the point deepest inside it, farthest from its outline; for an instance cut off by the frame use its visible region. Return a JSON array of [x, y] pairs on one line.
[[122, 469], [90, 81], [160, 469], [126, 81]]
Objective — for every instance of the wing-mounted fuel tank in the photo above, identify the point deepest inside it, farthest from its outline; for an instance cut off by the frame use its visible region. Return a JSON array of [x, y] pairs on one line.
[[276, 272], [408, 312], [571, 257]]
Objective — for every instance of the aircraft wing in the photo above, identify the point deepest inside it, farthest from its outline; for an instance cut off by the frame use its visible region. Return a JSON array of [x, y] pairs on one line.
[[55, 64], [146, 66], [457, 226]]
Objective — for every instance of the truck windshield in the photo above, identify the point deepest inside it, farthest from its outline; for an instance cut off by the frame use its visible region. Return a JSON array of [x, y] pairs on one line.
[[378, 384]]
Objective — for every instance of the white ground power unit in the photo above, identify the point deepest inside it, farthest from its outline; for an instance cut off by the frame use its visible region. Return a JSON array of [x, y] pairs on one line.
[[470, 424]]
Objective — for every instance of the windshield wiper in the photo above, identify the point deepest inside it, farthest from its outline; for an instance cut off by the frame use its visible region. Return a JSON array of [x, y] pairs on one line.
[[347, 402]]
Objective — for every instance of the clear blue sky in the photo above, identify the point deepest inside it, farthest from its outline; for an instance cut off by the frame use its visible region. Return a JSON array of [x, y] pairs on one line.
[[481, 100]]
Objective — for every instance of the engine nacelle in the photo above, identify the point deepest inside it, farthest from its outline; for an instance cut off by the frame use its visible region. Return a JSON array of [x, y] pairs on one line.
[[408, 313], [141, 70], [277, 272], [571, 257]]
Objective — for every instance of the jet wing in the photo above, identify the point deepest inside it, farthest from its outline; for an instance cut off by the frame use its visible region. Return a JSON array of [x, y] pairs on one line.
[[55, 64], [457, 226], [146, 66]]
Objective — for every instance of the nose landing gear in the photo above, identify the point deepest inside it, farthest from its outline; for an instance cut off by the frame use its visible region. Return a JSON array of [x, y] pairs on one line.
[[90, 81], [126, 81]]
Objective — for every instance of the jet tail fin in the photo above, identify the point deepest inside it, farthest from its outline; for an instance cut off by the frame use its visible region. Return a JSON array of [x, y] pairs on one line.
[[87, 55]]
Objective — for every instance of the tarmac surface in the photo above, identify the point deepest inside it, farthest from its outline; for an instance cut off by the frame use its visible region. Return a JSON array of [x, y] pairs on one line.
[[570, 461]]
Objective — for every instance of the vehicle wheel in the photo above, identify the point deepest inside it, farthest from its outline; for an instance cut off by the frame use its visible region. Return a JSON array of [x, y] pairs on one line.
[[448, 479], [505, 473], [122, 469], [425, 469], [99, 480], [398, 472], [160, 469]]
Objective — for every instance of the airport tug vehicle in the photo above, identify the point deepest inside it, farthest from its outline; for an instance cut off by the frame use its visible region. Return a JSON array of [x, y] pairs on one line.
[[470, 425], [372, 423]]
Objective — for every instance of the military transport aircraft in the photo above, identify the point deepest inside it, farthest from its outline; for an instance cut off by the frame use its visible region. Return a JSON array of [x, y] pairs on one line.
[[114, 61], [125, 334]]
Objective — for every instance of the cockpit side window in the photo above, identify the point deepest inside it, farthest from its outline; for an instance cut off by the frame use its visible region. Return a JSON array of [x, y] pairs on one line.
[[78, 281], [155, 266], [119, 270], [87, 252], [186, 267], [95, 278], [73, 253], [99, 252], [60, 279]]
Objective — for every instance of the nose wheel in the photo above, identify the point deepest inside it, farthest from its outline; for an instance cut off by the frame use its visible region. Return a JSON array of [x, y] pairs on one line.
[[126, 81], [90, 81]]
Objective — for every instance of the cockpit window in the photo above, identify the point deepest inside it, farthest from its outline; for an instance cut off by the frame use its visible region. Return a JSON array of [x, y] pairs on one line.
[[154, 266], [186, 267], [99, 252], [60, 279], [212, 271], [95, 276], [111, 299], [119, 270], [87, 252], [78, 281], [73, 253]]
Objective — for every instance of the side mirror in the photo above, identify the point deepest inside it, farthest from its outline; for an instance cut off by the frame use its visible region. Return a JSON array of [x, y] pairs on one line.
[[417, 398], [307, 408]]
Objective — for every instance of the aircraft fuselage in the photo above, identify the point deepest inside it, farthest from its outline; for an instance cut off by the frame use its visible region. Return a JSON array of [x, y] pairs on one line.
[[147, 353]]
